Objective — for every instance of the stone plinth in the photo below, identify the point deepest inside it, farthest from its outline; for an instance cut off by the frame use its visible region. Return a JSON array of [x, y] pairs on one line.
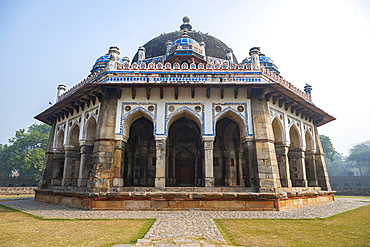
[[185, 198]]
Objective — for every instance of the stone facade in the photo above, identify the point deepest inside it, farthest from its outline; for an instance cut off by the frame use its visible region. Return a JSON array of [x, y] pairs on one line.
[[189, 118]]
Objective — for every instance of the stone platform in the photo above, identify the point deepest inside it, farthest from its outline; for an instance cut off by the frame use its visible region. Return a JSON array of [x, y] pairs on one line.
[[188, 198]]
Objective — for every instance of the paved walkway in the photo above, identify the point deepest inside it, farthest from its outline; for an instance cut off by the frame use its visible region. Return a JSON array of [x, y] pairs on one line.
[[183, 228]]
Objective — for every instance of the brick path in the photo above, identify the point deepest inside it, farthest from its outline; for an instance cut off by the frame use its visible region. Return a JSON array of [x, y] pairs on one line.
[[183, 228]]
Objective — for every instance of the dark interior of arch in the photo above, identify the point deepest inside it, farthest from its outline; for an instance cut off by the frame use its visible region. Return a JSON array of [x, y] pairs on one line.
[[185, 162], [139, 160]]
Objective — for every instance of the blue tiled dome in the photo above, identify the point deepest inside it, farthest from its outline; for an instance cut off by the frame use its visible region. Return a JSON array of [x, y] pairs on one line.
[[101, 62], [185, 44], [267, 62]]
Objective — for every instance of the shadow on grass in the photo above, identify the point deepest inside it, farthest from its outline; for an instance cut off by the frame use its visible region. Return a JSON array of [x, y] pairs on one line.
[[37, 231]]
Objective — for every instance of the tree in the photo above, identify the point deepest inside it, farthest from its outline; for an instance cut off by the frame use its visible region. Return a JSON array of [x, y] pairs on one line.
[[360, 155], [328, 147], [25, 152], [338, 166]]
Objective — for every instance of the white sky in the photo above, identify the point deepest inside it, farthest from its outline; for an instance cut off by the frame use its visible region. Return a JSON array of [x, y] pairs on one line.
[[323, 43]]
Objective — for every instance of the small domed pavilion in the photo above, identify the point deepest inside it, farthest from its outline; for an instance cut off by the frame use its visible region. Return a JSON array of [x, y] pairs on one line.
[[184, 125]]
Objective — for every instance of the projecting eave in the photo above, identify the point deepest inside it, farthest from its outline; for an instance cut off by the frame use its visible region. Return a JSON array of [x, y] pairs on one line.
[[278, 91], [298, 105]]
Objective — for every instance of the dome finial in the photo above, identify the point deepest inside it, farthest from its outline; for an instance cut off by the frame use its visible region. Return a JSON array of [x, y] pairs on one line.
[[186, 26]]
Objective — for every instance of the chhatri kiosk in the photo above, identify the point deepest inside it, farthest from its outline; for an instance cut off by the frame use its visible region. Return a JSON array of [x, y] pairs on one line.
[[184, 125]]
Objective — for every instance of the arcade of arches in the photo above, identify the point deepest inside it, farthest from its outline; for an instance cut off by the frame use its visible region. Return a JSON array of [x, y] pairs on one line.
[[185, 156]]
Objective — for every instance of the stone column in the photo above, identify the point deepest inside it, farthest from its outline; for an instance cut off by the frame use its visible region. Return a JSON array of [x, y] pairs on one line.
[[118, 163], [208, 163], [84, 171], [267, 168], [47, 168], [58, 161], [71, 156], [144, 164], [227, 168], [160, 179], [240, 167], [298, 155], [310, 160], [282, 152], [322, 173], [101, 175], [250, 163]]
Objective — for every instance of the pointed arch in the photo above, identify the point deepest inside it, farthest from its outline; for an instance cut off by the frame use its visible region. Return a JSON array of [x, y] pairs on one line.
[[90, 129], [309, 141], [131, 117], [60, 140], [73, 137], [184, 112], [295, 138], [234, 116], [278, 131]]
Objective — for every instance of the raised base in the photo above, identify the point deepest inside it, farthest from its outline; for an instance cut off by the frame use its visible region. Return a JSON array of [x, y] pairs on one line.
[[185, 200]]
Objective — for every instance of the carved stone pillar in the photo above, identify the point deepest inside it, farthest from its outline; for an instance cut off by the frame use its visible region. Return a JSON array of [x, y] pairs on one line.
[[160, 179], [71, 166], [310, 161], [267, 168], [58, 168], [144, 164], [282, 153], [101, 175], [322, 173], [297, 156], [118, 163], [47, 168], [208, 163], [86, 159]]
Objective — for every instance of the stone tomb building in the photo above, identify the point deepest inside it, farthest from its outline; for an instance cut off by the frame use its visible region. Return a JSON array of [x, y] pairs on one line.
[[184, 125]]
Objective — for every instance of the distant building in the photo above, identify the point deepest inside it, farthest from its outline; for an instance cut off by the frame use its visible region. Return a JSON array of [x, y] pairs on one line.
[[184, 122]]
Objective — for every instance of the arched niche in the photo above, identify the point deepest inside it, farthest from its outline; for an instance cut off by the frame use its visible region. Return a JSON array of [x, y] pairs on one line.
[[60, 140], [295, 139], [309, 142], [74, 134], [278, 130], [90, 130]]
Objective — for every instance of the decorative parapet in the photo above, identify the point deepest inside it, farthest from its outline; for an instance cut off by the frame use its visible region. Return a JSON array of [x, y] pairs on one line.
[[214, 68]]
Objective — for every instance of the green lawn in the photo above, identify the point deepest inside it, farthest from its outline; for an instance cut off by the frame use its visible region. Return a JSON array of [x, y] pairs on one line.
[[351, 228], [21, 229]]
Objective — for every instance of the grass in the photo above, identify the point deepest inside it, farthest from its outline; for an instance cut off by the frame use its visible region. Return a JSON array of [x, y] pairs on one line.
[[21, 229], [351, 228], [17, 197], [354, 197]]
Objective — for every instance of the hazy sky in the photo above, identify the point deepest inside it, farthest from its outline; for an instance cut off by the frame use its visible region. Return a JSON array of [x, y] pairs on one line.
[[323, 43]]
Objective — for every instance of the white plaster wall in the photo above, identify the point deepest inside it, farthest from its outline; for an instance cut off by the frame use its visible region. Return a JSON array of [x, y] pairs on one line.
[[294, 120], [79, 119], [161, 113]]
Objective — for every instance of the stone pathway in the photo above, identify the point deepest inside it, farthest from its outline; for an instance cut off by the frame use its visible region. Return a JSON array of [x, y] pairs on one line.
[[184, 228]]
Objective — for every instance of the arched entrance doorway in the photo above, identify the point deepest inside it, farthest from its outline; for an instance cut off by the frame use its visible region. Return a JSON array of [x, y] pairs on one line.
[[139, 161], [228, 154], [184, 154]]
